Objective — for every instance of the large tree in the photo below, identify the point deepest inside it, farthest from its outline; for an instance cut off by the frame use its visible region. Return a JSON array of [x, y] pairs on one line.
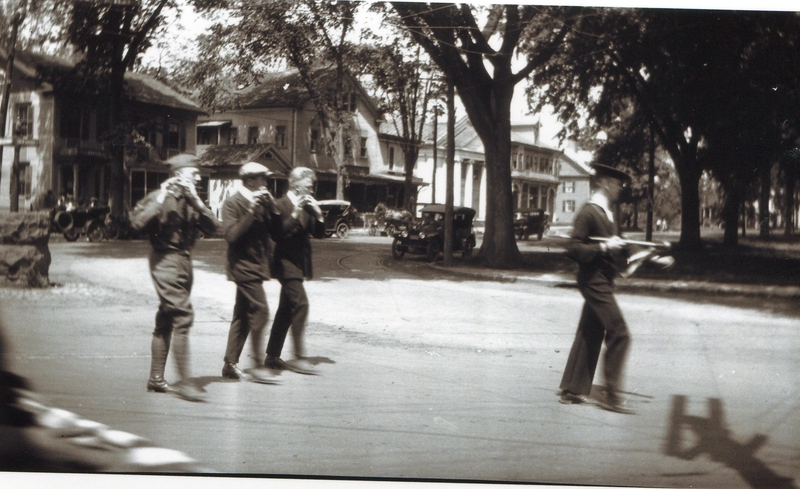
[[112, 36], [480, 62], [403, 80], [689, 72]]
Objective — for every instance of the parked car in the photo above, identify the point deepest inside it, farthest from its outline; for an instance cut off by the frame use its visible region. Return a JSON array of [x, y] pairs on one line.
[[340, 216], [426, 236], [531, 222], [89, 221]]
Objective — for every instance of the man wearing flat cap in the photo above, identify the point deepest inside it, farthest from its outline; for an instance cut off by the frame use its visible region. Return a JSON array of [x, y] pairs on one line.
[[172, 217], [601, 318], [246, 220]]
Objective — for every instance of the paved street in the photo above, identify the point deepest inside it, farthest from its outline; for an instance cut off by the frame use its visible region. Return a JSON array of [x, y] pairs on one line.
[[424, 375]]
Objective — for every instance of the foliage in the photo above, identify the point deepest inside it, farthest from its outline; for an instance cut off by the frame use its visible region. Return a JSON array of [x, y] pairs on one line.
[[249, 39], [485, 80], [696, 77]]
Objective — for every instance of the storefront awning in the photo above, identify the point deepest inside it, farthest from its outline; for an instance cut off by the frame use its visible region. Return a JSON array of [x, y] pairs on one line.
[[212, 123]]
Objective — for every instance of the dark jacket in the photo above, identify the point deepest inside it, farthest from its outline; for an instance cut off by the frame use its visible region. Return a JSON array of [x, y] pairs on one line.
[[596, 269], [172, 225], [246, 228], [292, 255]]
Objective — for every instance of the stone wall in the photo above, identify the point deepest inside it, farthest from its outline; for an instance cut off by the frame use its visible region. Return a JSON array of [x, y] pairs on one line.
[[24, 251]]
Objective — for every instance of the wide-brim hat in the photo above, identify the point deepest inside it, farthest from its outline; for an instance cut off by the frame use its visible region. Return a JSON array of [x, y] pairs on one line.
[[610, 172], [183, 160], [252, 169]]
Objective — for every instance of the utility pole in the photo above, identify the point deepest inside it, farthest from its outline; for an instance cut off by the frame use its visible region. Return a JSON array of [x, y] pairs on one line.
[[651, 183], [435, 151], [449, 183]]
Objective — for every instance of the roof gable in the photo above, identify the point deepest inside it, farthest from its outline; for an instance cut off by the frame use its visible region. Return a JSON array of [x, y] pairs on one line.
[[138, 87]]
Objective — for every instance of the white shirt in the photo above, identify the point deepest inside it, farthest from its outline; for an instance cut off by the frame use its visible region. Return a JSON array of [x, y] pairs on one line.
[[247, 194], [601, 201]]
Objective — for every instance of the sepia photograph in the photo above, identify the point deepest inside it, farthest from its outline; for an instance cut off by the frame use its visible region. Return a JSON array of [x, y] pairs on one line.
[[343, 244]]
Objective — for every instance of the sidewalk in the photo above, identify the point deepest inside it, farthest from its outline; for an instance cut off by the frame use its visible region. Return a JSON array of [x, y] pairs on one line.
[[545, 264]]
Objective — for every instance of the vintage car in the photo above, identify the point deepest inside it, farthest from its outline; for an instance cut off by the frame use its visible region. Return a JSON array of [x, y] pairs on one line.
[[77, 221], [531, 222], [426, 236], [340, 216]]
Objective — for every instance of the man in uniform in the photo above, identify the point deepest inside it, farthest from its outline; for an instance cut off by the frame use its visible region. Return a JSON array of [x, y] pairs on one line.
[[172, 217], [601, 318], [300, 217], [246, 220]]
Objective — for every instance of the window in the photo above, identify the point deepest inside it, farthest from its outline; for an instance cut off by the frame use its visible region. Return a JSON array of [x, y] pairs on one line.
[[207, 135], [353, 102], [70, 122], [391, 157], [568, 187], [514, 161], [252, 135], [23, 120], [363, 147], [568, 206], [174, 136], [24, 184], [348, 147], [86, 122], [143, 181], [233, 137], [314, 143], [280, 136]]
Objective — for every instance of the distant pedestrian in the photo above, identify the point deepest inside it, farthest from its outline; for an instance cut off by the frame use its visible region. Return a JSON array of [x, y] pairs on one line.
[[172, 216], [246, 219], [300, 218], [601, 318]]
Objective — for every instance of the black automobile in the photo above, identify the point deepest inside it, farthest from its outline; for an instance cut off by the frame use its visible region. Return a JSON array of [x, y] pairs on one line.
[[426, 236], [531, 222], [340, 216]]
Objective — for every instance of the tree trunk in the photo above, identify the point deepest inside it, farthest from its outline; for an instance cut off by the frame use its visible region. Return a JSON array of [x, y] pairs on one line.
[[763, 202], [499, 248], [730, 216], [790, 174], [690, 207]]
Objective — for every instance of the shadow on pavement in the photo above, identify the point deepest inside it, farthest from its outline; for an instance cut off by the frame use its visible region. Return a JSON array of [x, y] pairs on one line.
[[713, 438]]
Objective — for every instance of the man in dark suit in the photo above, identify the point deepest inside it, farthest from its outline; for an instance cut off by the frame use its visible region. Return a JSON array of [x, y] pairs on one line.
[[601, 318], [246, 220], [300, 217], [172, 217]]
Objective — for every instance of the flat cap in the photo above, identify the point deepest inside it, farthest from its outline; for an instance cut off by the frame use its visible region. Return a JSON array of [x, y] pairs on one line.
[[610, 172], [182, 160], [253, 168]]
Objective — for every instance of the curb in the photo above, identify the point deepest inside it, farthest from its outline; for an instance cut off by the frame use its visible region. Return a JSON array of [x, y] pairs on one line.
[[687, 286]]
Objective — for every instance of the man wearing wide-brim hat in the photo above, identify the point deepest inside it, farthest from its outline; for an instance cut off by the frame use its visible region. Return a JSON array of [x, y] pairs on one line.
[[601, 319], [246, 220], [172, 216]]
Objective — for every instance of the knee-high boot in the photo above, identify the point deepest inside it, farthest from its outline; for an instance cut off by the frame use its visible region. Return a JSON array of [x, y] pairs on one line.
[[159, 349]]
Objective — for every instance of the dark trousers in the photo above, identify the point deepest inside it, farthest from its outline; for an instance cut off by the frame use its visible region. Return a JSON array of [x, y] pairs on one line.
[[292, 313], [601, 318], [250, 315], [172, 276]]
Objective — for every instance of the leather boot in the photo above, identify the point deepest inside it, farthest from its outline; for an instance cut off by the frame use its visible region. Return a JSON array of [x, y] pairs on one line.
[[159, 349]]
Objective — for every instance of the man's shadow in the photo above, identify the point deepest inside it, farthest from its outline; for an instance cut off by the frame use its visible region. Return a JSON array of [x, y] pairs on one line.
[[714, 439], [205, 380]]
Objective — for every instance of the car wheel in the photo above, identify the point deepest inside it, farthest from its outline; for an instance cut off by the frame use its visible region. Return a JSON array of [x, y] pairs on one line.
[[434, 248], [397, 253], [389, 230], [541, 233], [342, 230], [112, 230], [96, 232], [64, 221], [71, 234]]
